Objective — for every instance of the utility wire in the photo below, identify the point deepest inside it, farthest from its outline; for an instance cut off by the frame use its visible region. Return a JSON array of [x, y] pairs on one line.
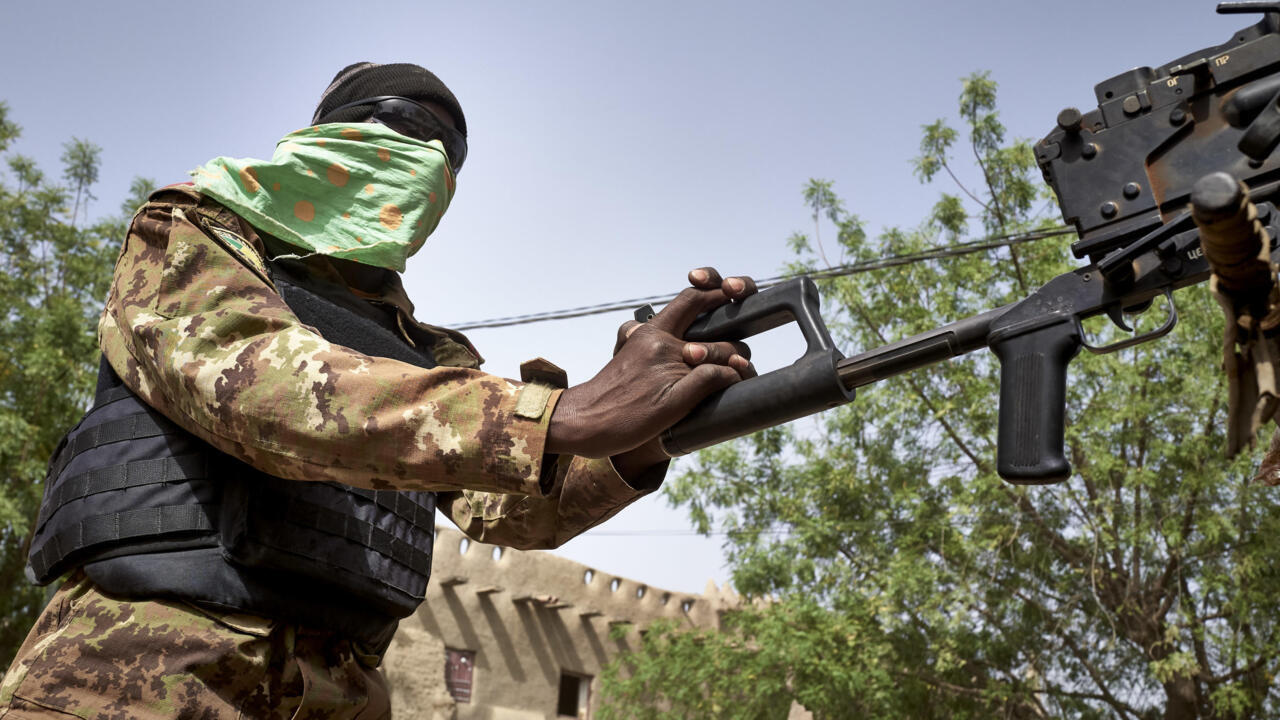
[[889, 261], [682, 533]]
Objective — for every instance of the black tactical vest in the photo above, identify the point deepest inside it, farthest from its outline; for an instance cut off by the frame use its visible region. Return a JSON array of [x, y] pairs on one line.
[[151, 511]]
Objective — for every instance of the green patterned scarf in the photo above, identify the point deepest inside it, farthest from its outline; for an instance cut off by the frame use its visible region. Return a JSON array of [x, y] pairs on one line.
[[357, 191]]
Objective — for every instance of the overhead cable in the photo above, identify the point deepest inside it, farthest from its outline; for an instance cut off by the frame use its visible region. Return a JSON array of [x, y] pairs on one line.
[[956, 250]]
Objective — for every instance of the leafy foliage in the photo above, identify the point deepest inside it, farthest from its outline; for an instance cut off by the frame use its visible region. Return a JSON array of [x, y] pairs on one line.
[[752, 669], [53, 278], [1143, 587]]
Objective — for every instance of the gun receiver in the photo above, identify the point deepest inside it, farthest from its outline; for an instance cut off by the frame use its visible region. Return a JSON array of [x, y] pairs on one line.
[[1126, 168], [1124, 175]]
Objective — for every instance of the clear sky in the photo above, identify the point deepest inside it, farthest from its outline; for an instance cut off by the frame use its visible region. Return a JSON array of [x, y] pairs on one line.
[[613, 145]]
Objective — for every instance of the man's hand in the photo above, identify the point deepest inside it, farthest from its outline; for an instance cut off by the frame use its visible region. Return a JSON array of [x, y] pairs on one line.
[[654, 379]]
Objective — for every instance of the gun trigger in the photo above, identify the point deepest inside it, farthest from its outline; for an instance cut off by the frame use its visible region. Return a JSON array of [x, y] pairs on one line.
[[1116, 313], [1170, 322]]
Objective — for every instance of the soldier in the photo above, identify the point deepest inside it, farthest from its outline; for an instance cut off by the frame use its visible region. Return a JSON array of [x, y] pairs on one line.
[[247, 510]]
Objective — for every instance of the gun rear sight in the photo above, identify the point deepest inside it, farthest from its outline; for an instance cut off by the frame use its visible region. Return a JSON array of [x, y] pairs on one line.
[[1236, 8]]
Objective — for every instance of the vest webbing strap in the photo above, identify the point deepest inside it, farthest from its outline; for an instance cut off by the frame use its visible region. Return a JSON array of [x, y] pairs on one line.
[[401, 504], [314, 517], [106, 397], [133, 427], [102, 529], [129, 475]]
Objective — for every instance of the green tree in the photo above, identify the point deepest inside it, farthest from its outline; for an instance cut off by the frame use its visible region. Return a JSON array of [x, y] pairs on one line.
[[822, 199], [80, 162], [1143, 587], [55, 276]]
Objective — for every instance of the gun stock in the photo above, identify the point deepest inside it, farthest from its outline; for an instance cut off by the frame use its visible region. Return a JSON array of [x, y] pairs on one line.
[[810, 384]]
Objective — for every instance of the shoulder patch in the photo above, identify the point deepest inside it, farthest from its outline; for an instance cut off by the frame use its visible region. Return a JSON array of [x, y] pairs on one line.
[[238, 247]]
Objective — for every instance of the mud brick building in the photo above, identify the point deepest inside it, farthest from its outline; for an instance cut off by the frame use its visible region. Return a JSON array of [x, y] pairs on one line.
[[513, 635]]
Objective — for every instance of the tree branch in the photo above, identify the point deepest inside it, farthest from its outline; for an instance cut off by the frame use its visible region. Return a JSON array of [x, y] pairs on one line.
[[962, 186], [1096, 676], [978, 463]]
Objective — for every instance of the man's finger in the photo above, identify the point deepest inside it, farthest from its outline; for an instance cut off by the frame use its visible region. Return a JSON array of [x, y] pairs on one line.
[[705, 278], [714, 352], [739, 288], [709, 293], [680, 313], [624, 332], [721, 353], [703, 380]]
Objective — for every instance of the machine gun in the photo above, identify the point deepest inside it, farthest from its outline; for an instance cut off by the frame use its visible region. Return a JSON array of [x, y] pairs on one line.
[[1167, 151]]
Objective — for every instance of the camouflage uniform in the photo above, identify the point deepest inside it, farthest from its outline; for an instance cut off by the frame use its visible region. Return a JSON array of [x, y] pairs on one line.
[[194, 326]]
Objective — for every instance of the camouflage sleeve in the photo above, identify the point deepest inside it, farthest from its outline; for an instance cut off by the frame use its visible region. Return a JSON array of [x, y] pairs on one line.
[[201, 335], [584, 494]]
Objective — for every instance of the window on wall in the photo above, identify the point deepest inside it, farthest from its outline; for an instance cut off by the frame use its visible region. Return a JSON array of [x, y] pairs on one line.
[[574, 695], [459, 666]]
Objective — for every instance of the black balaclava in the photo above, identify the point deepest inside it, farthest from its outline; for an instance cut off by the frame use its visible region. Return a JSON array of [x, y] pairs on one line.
[[366, 79]]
